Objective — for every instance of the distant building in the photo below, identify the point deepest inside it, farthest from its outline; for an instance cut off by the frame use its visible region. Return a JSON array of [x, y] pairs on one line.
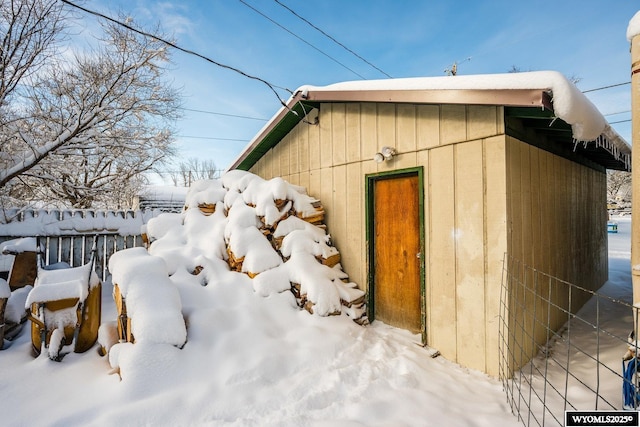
[[164, 198]]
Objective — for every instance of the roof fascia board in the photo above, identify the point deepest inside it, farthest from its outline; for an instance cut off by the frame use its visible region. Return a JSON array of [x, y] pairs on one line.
[[506, 97], [263, 141], [244, 161]]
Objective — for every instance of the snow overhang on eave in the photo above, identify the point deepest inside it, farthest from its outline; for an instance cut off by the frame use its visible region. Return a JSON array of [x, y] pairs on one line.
[[300, 104], [607, 148]]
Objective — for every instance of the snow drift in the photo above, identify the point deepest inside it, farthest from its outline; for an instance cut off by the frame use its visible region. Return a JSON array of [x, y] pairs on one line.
[[241, 224]]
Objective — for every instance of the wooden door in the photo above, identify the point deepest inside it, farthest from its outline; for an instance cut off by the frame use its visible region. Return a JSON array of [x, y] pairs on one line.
[[396, 252]]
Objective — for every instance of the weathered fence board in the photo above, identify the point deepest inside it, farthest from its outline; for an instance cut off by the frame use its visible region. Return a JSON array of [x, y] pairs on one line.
[[67, 235], [76, 250]]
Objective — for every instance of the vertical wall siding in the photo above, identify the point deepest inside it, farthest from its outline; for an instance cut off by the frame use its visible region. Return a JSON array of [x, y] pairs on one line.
[[465, 155], [556, 216]]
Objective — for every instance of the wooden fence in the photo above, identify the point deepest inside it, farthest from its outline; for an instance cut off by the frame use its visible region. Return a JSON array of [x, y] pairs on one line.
[[68, 235]]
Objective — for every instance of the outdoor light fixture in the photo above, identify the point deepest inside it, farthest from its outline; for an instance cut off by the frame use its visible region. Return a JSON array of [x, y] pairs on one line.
[[385, 153]]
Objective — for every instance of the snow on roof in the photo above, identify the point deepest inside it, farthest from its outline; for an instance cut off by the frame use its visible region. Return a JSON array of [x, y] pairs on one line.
[[166, 198], [633, 29], [569, 104], [163, 192]]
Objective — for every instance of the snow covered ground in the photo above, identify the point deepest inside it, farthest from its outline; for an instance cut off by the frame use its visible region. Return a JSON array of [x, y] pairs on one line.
[[252, 361], [261, 361]]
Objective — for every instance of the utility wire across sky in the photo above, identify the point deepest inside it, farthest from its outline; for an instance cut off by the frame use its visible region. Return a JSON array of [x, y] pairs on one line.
[[301, 39], [331, 38], [270, 85]]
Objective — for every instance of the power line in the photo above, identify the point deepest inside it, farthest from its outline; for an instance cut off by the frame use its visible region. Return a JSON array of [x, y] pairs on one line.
[[224, 114], [271, 86], [211, 137], [331, 38], [299, 38], [606, 87], [187, 51], [164, 172], [617, 112]]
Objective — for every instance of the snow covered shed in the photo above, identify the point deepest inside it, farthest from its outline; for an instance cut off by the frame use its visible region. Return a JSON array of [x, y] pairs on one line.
[[428, 182], [164, 198]]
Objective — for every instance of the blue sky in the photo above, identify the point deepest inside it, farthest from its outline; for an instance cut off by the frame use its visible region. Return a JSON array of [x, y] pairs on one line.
[[403, 38]]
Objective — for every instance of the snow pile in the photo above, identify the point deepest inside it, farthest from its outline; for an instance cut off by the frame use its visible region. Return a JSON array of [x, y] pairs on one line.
[[5, 291], [240, 229], [152, 300], [164, 193], [633, 29], [18, 246], [62, 283], [43, 222], [15, 310], [268, 229]]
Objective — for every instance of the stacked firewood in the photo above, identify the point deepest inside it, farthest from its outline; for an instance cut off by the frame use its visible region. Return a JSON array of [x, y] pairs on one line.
[[352, 300]]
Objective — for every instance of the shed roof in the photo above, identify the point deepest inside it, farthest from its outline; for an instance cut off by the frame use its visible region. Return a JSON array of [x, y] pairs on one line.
[[545, 101]]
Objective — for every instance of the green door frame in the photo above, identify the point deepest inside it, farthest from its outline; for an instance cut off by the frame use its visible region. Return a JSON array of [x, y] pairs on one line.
[[370, 180]]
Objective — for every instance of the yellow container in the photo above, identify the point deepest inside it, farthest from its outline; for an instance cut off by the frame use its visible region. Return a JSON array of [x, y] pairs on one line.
[[87, 318]]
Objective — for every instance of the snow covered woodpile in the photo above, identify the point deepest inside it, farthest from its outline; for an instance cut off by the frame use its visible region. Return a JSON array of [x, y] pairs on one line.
[[149, 306], [271, 231]]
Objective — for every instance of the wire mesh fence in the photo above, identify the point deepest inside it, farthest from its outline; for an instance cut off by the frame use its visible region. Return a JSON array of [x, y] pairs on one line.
[[561, 345]]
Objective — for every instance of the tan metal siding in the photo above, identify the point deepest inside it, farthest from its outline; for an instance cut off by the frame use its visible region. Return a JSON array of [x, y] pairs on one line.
[[470, 253], [427, 126], [453, 124], [352, 131], [556, 216], [485, 193], [338, 133], [441, 259], [294, 150], [352, 241], [495, 242]]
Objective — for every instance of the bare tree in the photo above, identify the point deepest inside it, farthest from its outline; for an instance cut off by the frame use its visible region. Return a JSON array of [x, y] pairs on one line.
[[618, 184], [194, 169], [83, 128], [29, 31]]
